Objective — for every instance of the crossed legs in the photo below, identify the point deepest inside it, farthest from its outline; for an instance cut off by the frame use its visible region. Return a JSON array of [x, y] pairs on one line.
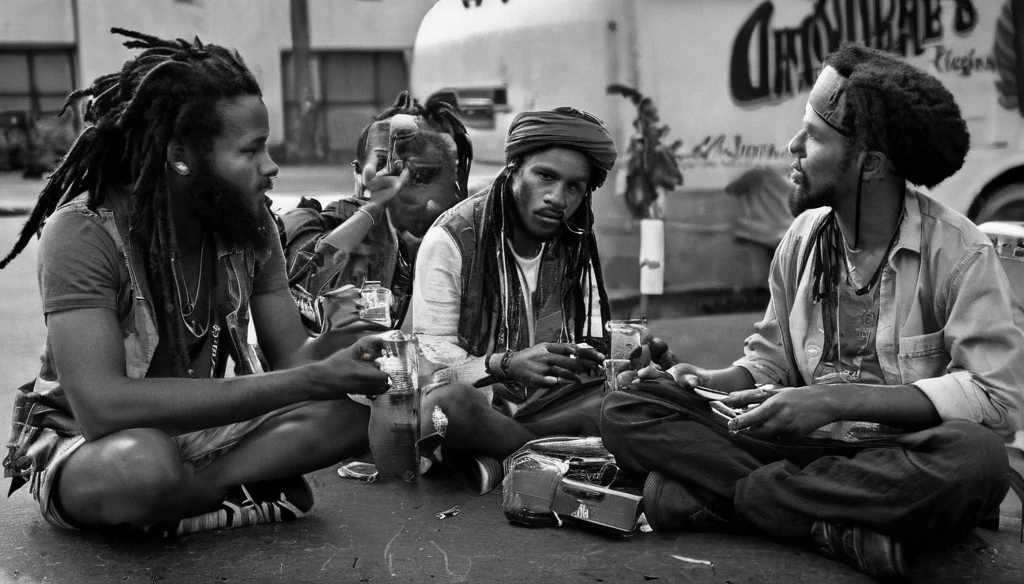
[[476, 427], [138, 477], [936, 483]]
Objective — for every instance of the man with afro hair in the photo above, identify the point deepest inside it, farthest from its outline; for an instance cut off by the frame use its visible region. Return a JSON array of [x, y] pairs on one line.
[[887, 369]]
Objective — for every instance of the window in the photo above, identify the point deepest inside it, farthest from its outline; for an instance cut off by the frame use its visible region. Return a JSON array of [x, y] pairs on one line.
[[349, 88], [35, 81], [477, 105]]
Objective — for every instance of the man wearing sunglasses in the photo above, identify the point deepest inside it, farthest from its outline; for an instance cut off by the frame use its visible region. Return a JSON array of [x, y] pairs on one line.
[[506, 285], [405, 177]]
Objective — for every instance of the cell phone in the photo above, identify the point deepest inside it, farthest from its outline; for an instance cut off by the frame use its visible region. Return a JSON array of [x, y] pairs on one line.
[[401, 127], [710, 393]]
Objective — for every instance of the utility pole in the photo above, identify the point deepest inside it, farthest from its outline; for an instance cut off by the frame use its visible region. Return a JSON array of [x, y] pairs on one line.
[[301, 139]]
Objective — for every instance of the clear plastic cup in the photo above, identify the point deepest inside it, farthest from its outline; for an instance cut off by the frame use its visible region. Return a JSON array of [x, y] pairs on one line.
[[612, 368], [626, 336], [377, 303]]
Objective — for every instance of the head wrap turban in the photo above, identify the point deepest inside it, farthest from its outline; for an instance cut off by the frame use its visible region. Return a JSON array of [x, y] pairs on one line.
[[563, 127]]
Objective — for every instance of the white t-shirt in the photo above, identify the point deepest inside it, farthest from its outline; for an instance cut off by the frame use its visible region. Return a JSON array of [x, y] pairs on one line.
[[437, 302]]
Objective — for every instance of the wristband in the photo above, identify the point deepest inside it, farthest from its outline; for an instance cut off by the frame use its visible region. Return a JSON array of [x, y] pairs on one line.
[[487, 363], [506, 364], [373, 222]]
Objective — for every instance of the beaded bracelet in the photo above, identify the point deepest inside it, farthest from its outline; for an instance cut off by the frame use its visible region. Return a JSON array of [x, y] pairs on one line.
[[506, 364]]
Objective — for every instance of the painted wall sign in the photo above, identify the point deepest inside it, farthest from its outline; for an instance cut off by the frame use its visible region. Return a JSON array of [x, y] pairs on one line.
[[731, 149], [775, 63]]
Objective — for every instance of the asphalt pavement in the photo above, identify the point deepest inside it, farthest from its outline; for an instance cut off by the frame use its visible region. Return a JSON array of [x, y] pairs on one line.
[[362, 532]]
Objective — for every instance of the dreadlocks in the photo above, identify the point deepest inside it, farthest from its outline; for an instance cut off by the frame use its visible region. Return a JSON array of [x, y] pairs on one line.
[[169, 90], [576, 237], [440, 112], [898, 109], [491, 281], [883, 104]]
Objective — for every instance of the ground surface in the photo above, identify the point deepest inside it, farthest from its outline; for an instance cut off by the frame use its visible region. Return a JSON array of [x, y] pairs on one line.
[[361, 532]]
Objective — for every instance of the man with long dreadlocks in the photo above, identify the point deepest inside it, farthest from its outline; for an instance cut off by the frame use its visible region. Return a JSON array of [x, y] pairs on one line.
[[506, 286], [887, 368], [158, 244], [374, 236]]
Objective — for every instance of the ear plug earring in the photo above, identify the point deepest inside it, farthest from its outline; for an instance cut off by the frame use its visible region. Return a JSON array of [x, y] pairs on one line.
[[181, 168]]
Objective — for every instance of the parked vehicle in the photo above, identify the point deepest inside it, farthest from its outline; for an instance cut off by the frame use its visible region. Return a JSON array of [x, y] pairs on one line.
[[730, 80]]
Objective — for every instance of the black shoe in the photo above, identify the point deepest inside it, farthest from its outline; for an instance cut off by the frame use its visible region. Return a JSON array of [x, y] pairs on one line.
[[865, 549], [669, 506]]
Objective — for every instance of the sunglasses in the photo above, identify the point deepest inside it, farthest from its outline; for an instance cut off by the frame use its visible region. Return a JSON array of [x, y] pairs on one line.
[[420, 174]]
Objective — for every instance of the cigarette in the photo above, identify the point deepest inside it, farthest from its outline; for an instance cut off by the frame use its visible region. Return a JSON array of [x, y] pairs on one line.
[[693, 560], [449, 513]]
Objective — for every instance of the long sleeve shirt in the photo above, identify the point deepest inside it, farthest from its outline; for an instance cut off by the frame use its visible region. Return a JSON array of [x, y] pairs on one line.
[[946, 320], [437, 294]]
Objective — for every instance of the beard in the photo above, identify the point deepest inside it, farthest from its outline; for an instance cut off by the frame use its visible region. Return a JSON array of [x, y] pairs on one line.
[[230, 213], [802, 199], [805, 196]]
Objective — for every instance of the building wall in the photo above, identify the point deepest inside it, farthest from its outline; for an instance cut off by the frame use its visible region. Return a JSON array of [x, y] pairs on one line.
[[36, 22], [366, 24], [259, 29]]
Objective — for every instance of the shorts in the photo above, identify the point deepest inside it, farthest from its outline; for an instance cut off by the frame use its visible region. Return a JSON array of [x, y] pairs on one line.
[[198, 449]]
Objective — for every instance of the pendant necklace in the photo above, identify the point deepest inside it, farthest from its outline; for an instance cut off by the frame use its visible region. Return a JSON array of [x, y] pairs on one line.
[[188, 307]]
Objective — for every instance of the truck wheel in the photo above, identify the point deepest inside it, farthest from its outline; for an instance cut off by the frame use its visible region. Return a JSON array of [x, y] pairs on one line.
[[1006, 203]]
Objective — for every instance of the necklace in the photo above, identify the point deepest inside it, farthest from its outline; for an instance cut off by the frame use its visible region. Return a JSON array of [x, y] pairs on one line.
[[188, 307]]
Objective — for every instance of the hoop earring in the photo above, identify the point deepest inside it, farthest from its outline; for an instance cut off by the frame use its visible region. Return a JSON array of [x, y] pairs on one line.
[[180, 168]]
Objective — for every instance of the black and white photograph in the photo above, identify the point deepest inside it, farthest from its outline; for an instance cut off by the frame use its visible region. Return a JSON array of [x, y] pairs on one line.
[[512, 291]]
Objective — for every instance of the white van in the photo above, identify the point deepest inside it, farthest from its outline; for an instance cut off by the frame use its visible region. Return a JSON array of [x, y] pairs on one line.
[[730, 79]]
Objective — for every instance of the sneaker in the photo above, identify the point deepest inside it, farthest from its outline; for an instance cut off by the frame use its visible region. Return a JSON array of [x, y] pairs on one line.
[[481, 474], [431, 452], [265, 502], [669, 506], [865, 549]]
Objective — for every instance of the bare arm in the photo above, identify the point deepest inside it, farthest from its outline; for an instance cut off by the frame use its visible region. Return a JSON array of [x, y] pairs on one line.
[[795, 412], [734, 378], [730, 379], [285, 342], [346, 237], [89, 353]]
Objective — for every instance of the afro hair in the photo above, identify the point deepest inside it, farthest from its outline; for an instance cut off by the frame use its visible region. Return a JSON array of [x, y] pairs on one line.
[[898, 109]]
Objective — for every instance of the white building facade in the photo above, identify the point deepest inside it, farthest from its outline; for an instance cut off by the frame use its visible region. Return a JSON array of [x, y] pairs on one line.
[[360, 52]]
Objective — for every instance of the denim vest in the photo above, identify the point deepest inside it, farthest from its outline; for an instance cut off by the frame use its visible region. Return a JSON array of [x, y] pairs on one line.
[[463, 222], [42, 418]]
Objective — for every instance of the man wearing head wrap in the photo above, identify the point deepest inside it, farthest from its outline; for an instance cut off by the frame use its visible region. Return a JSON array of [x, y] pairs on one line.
[[887, 368], [507, 284]]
